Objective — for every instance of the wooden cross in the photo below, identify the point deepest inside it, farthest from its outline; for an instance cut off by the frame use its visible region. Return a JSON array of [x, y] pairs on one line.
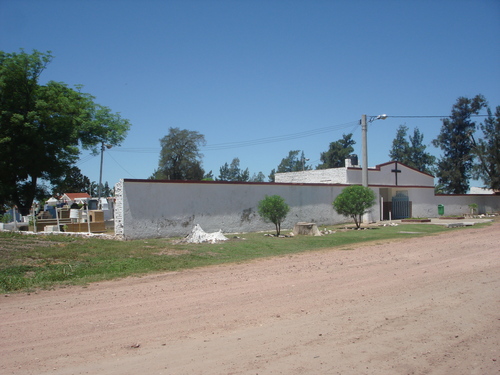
[[396, 171]]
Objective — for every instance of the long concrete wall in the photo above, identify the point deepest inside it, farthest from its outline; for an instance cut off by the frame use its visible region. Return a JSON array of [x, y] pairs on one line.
[[164, 208], [149, 209]]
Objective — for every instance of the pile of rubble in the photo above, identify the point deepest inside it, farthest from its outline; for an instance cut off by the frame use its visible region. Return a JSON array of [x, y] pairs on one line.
[[198, 235]]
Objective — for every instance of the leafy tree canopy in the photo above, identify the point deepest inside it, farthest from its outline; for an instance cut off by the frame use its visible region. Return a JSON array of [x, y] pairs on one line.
[[487, 150], [274, 209], [293, 162], [454, 168], [233, 172], [337, 152], [72, 181], [411, 153], [259, 177], [180, 157], [43, 127], [354, 201], [271, 175]]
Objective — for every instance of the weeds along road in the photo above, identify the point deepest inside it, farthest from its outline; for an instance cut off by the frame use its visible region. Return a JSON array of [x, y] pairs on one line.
[[422, 306]]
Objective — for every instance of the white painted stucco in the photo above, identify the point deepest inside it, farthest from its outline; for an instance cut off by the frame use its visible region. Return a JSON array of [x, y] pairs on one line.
[[382, 174], [319, 176], [168, 208], [147, 209]]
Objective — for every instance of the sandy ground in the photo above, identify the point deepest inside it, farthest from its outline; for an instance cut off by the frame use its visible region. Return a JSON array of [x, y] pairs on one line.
[[421, 306]]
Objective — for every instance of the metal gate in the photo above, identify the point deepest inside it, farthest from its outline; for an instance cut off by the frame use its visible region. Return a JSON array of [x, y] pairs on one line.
[[401, 205]]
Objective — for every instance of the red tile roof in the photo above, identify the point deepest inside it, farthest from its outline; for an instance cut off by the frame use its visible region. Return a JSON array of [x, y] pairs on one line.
[[74, 196]]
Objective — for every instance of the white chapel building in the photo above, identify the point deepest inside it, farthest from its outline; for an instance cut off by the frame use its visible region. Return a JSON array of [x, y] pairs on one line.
[[397, 185]]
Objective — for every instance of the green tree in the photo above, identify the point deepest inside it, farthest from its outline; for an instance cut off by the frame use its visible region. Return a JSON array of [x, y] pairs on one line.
[[43, 127], [233, 172], [259, 177], [420, 159], [337, 152], [274, 209], [92, 189], [400, 150], [208, 176], [354, 201], [454, 168], [72, 181], [180, 157], [487, 150], [271, 175], [411, 153], [293, 162], [106, 190]]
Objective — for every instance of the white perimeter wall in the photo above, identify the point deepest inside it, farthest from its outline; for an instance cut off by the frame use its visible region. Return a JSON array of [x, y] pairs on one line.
[[162, 209], [148, 209]]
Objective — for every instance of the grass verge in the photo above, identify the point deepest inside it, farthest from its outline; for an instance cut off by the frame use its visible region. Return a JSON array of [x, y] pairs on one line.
[[40, 262]]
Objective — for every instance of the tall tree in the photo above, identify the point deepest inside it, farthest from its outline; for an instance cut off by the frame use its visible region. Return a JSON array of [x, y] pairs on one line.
[[420, 159], [233, 172], [487, 150], [400, 150], [180, 157], [43, 127], [72, 181], [271, 175], [293, 162], [337, 152], [411, 153], [454, 168], [259, 177]]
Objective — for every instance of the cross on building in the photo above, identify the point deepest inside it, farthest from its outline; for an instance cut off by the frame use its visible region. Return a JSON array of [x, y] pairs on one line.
[[396, 171]]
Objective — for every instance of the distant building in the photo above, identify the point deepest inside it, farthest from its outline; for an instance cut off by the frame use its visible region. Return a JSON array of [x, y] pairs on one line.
[[396, 184], [80, 198]]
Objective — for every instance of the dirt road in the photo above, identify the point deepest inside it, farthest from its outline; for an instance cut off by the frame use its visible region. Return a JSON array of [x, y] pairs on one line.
[[423, 306]]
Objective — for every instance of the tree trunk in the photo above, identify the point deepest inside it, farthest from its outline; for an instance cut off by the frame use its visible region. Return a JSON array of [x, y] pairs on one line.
[[24, 207]]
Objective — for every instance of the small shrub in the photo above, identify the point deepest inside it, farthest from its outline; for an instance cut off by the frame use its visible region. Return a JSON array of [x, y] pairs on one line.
[[354, 201], [274, 209]]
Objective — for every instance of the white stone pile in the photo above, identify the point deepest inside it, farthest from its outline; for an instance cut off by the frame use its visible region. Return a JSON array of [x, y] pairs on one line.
[[198, 235]]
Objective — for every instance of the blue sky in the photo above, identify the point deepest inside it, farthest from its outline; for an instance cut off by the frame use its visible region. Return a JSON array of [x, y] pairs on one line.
[[292, 75]]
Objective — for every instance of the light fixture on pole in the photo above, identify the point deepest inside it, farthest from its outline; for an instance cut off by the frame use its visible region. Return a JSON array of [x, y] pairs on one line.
[[364, 145], [99, 187]]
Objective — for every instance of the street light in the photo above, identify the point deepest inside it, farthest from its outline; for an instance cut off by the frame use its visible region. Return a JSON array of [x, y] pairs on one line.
[[364, 129], [99, 188]]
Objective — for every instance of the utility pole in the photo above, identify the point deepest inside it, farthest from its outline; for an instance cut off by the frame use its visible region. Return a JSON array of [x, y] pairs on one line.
[[99, 188], [364, 145]]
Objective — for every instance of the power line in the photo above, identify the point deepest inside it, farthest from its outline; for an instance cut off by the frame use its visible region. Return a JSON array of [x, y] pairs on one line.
[[111, 156], [280, 138], [254, 142], [428, 116], [86, 159]]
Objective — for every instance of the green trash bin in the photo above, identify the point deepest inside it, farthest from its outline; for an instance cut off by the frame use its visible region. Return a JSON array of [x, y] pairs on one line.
[[440, 210]]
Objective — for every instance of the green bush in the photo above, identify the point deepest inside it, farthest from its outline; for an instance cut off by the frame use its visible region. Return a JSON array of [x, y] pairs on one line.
[[273, 209], [354, 201]]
